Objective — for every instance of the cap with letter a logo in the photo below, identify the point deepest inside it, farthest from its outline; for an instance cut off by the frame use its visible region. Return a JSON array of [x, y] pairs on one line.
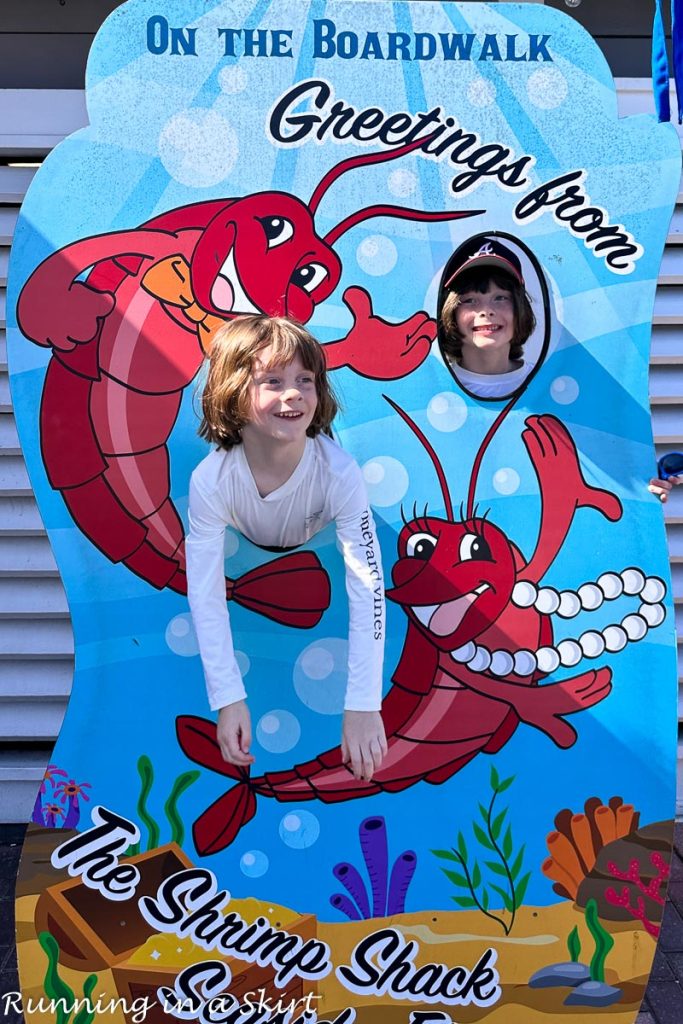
[[491, 253]]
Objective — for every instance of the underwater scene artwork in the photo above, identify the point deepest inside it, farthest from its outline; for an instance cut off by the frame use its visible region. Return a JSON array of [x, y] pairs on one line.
[[337, 162]]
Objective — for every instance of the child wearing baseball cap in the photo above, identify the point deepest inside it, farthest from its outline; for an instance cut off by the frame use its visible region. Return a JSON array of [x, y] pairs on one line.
[[485, 321]]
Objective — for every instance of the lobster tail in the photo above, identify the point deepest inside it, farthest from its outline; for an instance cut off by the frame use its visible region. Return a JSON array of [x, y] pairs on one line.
[[220, 823]]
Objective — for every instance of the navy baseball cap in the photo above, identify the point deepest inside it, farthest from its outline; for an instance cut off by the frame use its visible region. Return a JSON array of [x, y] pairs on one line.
[[490, 254]]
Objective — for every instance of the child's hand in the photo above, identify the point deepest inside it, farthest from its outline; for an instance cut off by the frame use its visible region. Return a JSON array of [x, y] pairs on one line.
[[364, 744], [662, 487], [234, 733]]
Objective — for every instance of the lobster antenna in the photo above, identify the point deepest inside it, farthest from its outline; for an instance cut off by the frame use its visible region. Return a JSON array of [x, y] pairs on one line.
[[361, 161], [430, 451], [401, 212], [482, 450]]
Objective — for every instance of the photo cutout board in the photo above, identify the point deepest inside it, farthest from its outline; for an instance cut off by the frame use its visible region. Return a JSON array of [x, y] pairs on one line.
[[339, 162]]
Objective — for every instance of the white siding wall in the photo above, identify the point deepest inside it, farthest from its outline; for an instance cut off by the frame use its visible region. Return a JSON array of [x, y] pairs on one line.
[[36, 642]]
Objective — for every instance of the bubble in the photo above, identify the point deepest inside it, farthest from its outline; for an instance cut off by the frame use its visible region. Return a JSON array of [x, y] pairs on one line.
[[317, 662], [320, 674], [564, 390], [299, 829], [198, 147], [481, 93], [181, 637], [506, 481], [376, 255], [402, 183], [547, 88], [447, 411], [254, 863], [230, 544], [278, 731], [243, 662], [387, 480], [232, 79]]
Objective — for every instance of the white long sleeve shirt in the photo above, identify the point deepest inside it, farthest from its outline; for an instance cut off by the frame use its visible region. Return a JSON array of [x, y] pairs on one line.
[[326, 486]]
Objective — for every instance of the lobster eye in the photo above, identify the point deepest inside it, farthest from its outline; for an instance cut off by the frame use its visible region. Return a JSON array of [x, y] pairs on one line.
[[420, 545], [309, 276], [474, 547], [277, 230]]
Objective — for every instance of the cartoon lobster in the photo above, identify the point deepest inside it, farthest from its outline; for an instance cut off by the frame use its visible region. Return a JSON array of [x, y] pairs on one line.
[[479, 642], [130, 337]]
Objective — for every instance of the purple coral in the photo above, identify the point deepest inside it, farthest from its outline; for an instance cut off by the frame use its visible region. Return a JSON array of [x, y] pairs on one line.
[[388, 893], [47, 813]]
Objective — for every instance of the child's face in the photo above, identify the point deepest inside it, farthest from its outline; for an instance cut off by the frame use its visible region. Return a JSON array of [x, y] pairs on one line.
[[486, 320], [283, 399]]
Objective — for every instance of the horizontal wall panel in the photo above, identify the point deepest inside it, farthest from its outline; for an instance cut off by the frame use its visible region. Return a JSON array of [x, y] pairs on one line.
[[674, 534], [35, 120], [37, 639], [14, 183], [9, 439], [30, 720], [23, 64], [667, 339], [4, 262], [667, 423], [671, 271], [23, 599], [8, 221], [3, 351], [14, 475], [36, 679], [26, 556], [19, 516], [667, 381], [673, 508], [21, 772], [600, 19], [669, 304], [5, 399], [50, 16]]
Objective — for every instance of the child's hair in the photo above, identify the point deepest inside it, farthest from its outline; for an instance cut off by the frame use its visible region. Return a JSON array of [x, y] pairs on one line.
[[225, 399], [478, 280]]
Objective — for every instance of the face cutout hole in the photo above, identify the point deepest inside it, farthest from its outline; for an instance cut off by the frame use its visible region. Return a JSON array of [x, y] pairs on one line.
[[493, 328]]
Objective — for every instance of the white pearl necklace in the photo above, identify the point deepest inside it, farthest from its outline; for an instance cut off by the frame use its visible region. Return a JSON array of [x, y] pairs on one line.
[[567, 604]]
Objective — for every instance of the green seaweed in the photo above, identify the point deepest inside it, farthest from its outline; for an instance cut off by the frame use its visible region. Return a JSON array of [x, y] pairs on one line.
[[602, 938], [574, 945], [182, 783], [509, 887], [86, 1012], [62, 995], [146, 773], [55, 987]]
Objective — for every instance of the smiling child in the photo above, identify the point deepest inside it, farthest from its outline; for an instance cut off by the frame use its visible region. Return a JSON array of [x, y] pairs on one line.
[[278, 478], [486, 319]]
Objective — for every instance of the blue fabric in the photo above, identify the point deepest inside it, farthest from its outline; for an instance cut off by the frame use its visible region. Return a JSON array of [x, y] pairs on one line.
[[677, 36], [660, 65]]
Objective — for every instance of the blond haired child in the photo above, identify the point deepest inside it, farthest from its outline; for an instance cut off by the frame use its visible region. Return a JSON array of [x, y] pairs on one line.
[[277, 476]]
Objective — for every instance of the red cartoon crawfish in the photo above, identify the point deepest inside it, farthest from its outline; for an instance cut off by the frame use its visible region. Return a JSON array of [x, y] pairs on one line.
[[129, 339], [479, 642]]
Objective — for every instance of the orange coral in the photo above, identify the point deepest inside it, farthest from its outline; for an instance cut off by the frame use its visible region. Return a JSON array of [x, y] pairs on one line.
[[578, 838]]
